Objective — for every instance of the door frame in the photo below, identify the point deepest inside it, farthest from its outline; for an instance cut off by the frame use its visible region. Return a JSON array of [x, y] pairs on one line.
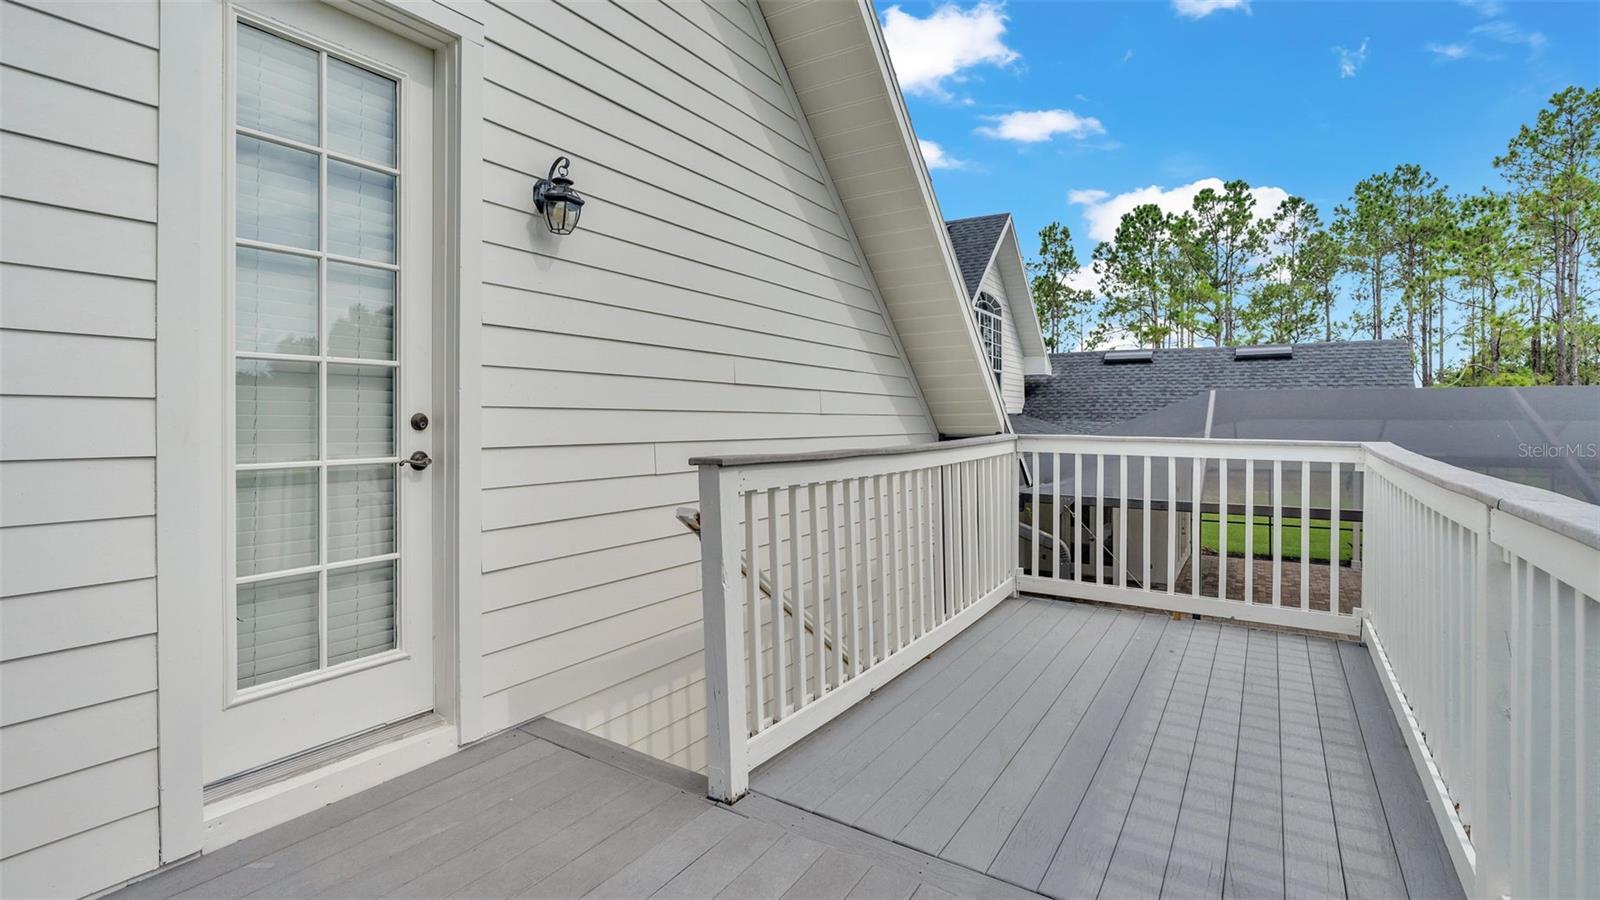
[[193, 367]]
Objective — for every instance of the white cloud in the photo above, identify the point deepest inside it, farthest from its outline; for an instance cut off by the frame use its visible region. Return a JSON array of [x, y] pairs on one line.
[[1487, 8], [1103, 212], [1508, 33], [1034, 126], [1351, 61], [1199, 9], [936, 158], [1083, 279], [929, 52], [1127, 54], [1497, 31], [1450, 52]]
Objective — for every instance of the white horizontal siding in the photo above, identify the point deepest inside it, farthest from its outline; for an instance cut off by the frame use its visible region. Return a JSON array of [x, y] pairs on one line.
[[710, 301], [78, 743], [1011, 376]]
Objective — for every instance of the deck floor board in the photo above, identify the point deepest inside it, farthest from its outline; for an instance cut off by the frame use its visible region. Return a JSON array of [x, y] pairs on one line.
[[1054, 747], [1144, 756]]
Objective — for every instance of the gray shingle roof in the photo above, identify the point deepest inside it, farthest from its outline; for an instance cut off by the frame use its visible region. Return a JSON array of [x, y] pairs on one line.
[[974, 241], [1085, 395]]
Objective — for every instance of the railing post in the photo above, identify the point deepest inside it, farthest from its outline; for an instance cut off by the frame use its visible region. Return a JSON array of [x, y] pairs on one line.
[[1011, 516], [1490, 812], [727, 743]]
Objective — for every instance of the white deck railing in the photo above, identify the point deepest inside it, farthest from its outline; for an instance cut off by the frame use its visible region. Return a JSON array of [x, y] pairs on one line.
[[1482, 617], [826, 575], [1138, 521], [886, 555]]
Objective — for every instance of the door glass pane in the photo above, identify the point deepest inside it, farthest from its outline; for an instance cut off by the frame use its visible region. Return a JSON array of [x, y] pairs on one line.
[[277, 520], [275, 303], [360, 311], [360, 511], [311, 407], [360, 412], [277, 197], [361, 113], [275, 409], [361, 603], [360, 212], [277, 627], [277, 86]]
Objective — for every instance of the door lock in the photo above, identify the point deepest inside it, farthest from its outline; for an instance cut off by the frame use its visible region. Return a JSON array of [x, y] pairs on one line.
[[417, 461], [419, 422]]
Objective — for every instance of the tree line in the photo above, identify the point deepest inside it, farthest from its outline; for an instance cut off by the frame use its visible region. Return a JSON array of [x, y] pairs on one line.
[[1488, 288]]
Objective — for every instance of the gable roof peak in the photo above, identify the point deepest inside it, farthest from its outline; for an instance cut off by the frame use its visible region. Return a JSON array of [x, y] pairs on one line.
[[974, 240]]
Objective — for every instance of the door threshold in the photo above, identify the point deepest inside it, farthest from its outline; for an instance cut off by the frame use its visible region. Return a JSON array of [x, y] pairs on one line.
[[254, 801]]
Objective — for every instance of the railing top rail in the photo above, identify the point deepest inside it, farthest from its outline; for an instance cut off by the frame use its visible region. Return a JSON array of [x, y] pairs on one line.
[[747, 460], [1196, 441], [1563, 515]]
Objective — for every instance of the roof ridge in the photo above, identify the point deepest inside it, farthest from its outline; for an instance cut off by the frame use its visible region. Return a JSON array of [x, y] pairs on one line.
[[976, 218]]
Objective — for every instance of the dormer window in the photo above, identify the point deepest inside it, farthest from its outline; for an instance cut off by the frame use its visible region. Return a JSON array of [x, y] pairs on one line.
[[987, 311]]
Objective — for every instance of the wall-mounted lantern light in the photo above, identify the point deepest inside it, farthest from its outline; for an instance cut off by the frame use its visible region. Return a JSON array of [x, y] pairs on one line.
[[555, 197]]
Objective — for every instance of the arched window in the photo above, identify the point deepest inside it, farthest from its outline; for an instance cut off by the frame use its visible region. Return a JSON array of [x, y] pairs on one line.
[[987, 311]]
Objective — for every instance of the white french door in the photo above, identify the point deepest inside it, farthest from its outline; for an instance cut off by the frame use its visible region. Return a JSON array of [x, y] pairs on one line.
[[326, 623]]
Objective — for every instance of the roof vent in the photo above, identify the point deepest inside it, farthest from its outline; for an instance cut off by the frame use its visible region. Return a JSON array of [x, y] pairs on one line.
[[1268, 351], [1111, 357]]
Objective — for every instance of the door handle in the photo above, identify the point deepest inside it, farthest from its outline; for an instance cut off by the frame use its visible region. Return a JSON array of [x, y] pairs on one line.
[[417, 461]]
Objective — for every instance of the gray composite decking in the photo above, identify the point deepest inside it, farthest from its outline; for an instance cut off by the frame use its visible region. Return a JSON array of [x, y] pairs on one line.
[[1083, 751], [1072, 750], [546, 811]]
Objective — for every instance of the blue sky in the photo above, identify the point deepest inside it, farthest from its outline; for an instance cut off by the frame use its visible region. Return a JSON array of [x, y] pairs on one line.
[[1051, 110]]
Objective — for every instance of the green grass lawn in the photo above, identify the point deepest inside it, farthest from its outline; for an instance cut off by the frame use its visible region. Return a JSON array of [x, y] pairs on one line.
[[1263, 537]]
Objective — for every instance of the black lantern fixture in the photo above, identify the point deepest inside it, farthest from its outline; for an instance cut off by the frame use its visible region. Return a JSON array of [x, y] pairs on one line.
[[555, 197]]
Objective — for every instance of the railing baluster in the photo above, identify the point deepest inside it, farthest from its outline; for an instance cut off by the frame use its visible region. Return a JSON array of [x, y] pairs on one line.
[[958, 539], [1223, 517], [1098, 531], [1120, 539], [917, 545], [1335, 537], [1197, 481], [798, 601], [838, 588], [1305, 534], [1033, 507], [1172, 524], [780, 662], [897, 585], [929, 561], [752, 604], [970, 519], [1249, 531], [881, 624], [1277, 532], [1058, 519], [868, 615], [850, 567], [1077, 516], [946, 544], [1144, 555], [819, 654]]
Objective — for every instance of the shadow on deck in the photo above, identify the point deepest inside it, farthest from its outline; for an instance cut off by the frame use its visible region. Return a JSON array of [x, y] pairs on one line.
[[1083, 751]]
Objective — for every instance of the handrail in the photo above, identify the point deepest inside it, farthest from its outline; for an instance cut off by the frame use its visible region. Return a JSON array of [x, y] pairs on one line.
[[891, 552], [691, 520]]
